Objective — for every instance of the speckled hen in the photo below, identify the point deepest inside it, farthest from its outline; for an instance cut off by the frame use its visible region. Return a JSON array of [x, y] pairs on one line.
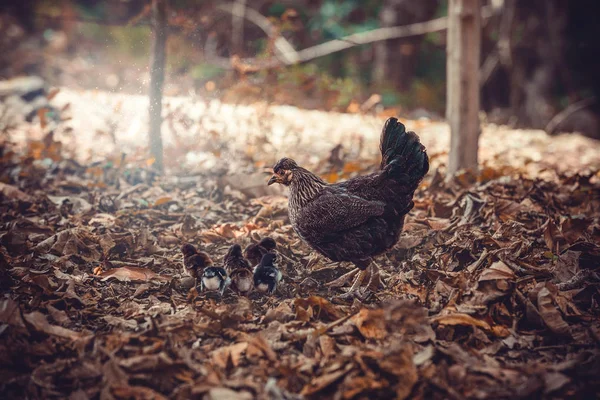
[[362, 217]]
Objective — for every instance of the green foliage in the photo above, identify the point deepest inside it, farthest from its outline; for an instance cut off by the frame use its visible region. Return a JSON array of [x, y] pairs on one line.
[[332, 19], [131, 40], [202, 72]]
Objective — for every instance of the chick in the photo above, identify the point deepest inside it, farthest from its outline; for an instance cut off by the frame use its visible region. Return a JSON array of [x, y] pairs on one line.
[[194, 261], [234, 259], [239, 270], [241, 280], [255, 252], [214, 278], [266, 274]]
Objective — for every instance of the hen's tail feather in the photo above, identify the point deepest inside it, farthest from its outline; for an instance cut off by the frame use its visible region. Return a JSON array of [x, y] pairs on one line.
[[403, 156]]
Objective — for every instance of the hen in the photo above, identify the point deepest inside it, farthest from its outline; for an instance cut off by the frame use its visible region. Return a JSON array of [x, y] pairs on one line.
[[362, 217]]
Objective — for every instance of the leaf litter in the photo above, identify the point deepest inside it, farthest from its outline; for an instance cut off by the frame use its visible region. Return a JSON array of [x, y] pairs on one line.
[[492, 291]]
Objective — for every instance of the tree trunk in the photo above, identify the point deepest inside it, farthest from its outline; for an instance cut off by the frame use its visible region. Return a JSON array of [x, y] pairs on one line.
[[395, 60], [237, 27], [462, 92], [157, 78]]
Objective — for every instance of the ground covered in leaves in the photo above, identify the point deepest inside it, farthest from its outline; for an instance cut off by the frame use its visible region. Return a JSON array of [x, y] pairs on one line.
[[492, 291]]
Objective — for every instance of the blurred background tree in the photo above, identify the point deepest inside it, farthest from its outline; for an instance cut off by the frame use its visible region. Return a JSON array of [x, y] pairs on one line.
[[538, 57]]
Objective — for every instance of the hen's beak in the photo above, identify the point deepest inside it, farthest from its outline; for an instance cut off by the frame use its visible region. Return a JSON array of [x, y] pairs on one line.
[[274, 179]]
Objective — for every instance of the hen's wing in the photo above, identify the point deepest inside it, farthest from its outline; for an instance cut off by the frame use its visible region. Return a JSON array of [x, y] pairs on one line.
[[334, 212]]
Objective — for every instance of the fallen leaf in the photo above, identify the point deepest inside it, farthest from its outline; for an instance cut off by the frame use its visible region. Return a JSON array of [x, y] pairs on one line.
[[460, 319], [132, 274], [370, 323], [550, 315], [498, 270], [320, 383], [321, 308], [13, 193], [162, 200], [39, 322]]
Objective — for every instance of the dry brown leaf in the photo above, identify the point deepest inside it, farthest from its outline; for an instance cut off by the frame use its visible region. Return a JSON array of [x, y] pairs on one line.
[[259, 345], [399, 362], [13, 193], [354, 385], [322, 309], [371, 323], [572, 228], [229, 355], [162, 200], [554, 238], [136, 392], [222, 393], [498, 270], [39, 322], [320, 383], [461, 319], [551, 316], [132, 274]]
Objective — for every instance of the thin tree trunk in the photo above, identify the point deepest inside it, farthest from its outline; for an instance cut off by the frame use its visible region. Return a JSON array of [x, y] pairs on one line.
[[396, 59], [157, 78], [462, 92], [237, 27]]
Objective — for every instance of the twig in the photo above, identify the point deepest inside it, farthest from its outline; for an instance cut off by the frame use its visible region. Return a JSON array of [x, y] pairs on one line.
[[583, 276], [567, 112], [471, 268], [291, 57], [285, 51], [324, 329], [487, 69]]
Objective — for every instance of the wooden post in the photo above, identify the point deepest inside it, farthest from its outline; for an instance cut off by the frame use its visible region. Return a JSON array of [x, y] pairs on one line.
[[462, 80], [157, 78]]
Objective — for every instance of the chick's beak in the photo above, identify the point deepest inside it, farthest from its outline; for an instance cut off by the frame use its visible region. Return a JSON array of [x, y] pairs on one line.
[[274, 179]]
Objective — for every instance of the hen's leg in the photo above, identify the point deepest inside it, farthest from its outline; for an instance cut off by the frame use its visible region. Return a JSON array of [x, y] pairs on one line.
[[375, 279], [355, 288], [342, 280]]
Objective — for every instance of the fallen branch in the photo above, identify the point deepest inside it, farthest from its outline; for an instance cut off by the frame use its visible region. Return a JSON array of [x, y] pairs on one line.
[[289, 56], [285, 52], [567, 112]]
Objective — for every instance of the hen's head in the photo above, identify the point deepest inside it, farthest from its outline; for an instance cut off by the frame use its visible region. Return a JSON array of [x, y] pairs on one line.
[[283, 171]]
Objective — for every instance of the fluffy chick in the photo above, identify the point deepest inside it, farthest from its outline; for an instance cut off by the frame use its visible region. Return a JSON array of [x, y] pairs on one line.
[[194, 261], [234, 259], [239, 270], [214, 278], [255, 252], [242, 280], [266, 274]]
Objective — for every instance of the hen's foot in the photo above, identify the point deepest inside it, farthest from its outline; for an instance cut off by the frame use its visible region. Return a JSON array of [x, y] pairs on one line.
[[361, 294], [355, 291], [342, 280]]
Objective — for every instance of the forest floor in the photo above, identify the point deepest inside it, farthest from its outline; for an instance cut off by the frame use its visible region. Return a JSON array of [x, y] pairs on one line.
[[492, 291]]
